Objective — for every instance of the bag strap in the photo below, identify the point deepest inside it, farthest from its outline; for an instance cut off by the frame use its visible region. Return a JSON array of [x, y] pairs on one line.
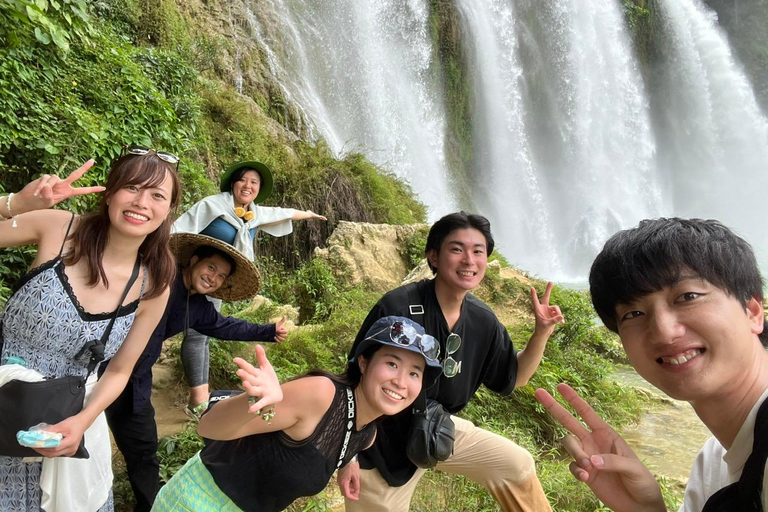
[[351, 422], [97, 347], [746, 492], [416, 308]]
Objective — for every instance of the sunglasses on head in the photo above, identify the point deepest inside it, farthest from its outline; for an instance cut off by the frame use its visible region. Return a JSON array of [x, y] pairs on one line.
[[404, 334], [162, 155]]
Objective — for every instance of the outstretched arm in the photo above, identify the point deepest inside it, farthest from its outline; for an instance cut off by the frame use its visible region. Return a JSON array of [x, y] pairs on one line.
[[302, 403], [306, 215], [208, 321], [48, 190], [297, 215], [547, 317], [602, 458], [238, 416], [40, 194]]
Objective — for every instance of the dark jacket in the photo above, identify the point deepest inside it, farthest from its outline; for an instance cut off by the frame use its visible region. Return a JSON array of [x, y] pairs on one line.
[[202, 317]]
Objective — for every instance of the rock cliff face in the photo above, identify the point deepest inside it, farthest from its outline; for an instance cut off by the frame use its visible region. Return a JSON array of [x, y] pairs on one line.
[[373, 253]]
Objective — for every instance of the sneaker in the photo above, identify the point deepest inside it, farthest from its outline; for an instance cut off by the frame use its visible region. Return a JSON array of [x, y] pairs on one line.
[[195, 412]]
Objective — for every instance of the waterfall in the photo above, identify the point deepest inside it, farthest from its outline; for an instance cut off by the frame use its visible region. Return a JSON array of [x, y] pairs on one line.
[[506, 182], [569, 143], [713, 138], [363, 71], [563, 129]]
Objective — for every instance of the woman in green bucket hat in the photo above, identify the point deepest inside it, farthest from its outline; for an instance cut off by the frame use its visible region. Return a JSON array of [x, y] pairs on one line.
[[232, 216]]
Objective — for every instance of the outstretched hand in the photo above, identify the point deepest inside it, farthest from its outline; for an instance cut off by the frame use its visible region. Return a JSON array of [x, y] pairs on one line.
[[281, 331], [260, 382], [602, 458], [546, 316], [49, 190]]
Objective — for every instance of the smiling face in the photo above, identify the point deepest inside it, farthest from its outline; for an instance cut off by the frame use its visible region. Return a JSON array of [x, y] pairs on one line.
[[139, 209], [462, 259], [246, 188], [691, 339], [391, 380], [206, 275]]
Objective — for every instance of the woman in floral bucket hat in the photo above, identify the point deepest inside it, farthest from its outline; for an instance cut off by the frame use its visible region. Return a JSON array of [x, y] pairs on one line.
[[260, 457], [234, 216]]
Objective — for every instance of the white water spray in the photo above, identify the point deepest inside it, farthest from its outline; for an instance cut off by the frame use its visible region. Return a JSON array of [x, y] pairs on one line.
[[713, 137], [363, 71]]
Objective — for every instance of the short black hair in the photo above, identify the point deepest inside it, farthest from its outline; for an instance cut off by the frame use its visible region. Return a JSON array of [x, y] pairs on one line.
[[656, 254], [206, 251], [450, 223], [238, 175]]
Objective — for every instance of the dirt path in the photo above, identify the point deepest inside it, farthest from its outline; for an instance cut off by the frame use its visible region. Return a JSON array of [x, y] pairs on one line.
[[169, 396]]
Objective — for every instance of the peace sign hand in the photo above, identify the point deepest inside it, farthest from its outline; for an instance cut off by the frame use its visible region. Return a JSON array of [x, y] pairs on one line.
[[49, 190], [602, 458], [546, 316]]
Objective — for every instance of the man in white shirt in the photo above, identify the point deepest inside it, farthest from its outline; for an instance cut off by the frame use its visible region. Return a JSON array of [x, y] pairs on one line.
[[686, 298]]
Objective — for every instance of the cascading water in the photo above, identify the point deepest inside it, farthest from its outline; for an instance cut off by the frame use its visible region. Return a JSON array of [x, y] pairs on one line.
[[565, 149], [363, 71], [559, 188], [506, 182], [713, 139]]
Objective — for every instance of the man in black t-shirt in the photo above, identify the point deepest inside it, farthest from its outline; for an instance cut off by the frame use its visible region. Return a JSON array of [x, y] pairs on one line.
[[475, 349]]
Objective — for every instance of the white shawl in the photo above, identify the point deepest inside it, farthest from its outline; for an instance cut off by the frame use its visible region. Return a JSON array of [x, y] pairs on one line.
[[202, 213]]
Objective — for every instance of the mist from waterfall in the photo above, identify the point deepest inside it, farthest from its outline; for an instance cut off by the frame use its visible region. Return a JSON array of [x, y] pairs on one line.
[[713, 138], [362, 70], [569, 143], [564, 148], [505, 180]]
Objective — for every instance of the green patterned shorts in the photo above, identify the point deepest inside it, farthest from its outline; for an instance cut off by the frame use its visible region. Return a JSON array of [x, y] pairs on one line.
[[192, 489]]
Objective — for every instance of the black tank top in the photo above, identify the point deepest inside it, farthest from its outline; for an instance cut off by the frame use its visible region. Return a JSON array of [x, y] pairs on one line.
[[267, 472]]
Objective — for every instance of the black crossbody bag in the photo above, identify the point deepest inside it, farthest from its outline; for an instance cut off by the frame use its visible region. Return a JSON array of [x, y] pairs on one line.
[[25, 404], [432, 432]]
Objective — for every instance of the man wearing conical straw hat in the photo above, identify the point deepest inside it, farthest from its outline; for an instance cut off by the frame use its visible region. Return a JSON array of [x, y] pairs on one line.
[[207, 267]]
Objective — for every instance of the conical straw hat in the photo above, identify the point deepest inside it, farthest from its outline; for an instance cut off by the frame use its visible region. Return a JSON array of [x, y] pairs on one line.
[[242, 284]]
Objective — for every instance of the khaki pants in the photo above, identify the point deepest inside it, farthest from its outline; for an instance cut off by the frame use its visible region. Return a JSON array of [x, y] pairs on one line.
[[493, 461]]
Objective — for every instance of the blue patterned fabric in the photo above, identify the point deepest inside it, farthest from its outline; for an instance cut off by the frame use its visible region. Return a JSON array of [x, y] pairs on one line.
[[44, 324]]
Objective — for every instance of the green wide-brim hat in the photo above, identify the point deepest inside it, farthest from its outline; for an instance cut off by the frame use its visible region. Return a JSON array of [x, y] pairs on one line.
[[265, 190], [241, 284]]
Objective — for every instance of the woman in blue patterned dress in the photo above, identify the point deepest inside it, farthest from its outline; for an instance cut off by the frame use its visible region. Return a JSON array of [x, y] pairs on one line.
[[81, 270]]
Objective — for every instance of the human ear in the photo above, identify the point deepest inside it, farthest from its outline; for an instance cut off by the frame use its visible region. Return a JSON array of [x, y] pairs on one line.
[[362, 363], [193, 260], [432, 257], [756, 314]]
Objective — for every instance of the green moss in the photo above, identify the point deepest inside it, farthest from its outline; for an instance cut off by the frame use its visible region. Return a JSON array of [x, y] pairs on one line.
[[451, 68]]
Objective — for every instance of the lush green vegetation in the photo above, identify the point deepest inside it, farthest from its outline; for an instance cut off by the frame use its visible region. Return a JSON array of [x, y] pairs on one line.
[[80, 79], [578, 353], [451, 67], [79, 82]]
